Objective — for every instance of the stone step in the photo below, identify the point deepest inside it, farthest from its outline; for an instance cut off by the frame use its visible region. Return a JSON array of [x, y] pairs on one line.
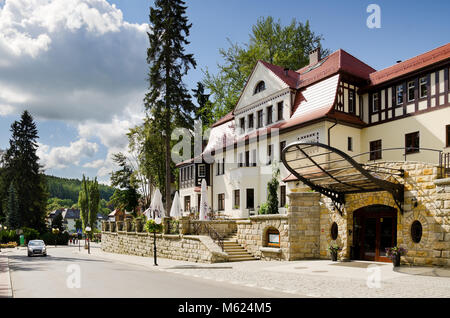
[[241, 259], [237, 254]]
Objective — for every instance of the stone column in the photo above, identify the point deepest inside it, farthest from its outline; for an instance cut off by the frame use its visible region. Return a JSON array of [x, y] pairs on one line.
[[304, 225], [184, 225]]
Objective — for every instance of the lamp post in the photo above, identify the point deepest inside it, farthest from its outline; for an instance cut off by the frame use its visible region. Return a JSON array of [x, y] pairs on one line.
[[88, 230], [157, 221]]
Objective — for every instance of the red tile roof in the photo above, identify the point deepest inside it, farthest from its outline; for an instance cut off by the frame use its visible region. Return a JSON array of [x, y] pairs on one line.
[[292, 78], [332, 64], [224, 119], [414, 64]]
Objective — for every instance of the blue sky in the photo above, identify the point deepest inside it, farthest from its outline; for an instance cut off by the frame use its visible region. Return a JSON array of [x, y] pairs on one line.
[[87, 119]]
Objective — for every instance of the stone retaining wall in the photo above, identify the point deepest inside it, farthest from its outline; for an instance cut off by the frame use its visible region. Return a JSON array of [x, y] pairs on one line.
[[190, 248], [223, 227]]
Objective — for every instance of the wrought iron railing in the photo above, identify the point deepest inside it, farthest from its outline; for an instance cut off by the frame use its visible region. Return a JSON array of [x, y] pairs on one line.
[[202, 227], [444, 164]]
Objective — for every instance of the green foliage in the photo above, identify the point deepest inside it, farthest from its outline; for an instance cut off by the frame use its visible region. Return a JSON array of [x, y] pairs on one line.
[[168, 100], [57, 203], [8, 236], [94, 202], [204, 111], [68, 189], [12, 213], [78, 224], [272, 190], [264, 208], [174, 226], [83, 203], [89, 202], [287, 46], [152, 227], [126, 197], [30, 234], [62, 238], [57, 222], [22, 169]]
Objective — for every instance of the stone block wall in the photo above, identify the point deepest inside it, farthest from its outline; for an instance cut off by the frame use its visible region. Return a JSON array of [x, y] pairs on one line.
[[223, 227], [252, 235], [190, 248]]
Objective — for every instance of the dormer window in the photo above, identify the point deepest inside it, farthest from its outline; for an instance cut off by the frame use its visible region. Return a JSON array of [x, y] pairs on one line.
[[260, 87]]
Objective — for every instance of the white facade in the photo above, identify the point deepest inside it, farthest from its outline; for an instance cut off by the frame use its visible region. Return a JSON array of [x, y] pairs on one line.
[[337, 110]]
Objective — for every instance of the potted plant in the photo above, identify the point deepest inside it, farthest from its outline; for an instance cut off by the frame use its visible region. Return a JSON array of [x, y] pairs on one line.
[[334, 249], [394, 253]]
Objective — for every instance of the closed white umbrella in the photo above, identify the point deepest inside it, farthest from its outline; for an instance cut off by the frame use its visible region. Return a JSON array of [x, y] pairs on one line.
[[156, 209], [175, 211], [204, 206]]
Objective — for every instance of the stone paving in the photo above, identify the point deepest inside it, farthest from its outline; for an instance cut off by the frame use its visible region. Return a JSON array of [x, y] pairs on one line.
[[320, 278], [5, 280]]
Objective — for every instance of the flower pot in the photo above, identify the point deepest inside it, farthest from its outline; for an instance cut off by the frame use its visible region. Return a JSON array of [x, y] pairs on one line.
[[334, 256], [396, 260]]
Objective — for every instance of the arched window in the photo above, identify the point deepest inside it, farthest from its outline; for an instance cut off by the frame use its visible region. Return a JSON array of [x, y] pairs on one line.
[[260, 87], [416, 231], [334, 231]]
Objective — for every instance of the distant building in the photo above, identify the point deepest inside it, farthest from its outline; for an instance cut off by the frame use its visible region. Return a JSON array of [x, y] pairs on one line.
[[70, 216]]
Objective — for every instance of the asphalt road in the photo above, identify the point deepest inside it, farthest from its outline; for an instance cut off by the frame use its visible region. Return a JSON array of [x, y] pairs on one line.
[[66, 274]]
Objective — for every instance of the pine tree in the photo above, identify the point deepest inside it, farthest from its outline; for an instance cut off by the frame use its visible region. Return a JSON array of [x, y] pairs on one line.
[[21, 167], [168, 99], [12, 212]]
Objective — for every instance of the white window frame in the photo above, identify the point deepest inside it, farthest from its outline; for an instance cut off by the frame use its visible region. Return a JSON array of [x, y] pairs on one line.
[[422, 83], [413, 87], [200, 174], [399, 89], [377, 95]]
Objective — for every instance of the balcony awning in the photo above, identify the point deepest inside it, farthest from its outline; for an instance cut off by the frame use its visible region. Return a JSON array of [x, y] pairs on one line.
[[334, 174]]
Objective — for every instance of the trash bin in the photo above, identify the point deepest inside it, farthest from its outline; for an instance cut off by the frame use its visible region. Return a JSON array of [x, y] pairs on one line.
[[22, 240]]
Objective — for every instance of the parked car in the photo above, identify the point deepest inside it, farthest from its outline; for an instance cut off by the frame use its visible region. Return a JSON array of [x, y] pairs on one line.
[[36, 247]]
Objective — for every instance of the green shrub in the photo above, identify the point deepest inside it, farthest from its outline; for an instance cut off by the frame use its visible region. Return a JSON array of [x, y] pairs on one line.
[[49, 238], [174, 226], [30, 234], [151, 226], [264, 208], [7, 236]]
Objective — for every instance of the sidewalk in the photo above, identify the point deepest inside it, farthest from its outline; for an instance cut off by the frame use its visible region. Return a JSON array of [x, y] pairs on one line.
[[5, 280], [314, 278]]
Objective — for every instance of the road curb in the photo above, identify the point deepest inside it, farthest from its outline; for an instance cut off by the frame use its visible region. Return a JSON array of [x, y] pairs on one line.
[[5, 278]]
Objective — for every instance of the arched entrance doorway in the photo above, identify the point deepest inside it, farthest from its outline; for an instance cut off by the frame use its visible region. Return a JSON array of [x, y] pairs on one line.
[[375, 229]]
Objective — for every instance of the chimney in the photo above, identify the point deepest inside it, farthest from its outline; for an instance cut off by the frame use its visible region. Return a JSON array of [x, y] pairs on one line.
[[314, 56], [286, 71]]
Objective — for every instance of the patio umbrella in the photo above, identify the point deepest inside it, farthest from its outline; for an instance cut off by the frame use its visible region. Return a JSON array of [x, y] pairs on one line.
[[175, 211], [204, 202], [156, 208]]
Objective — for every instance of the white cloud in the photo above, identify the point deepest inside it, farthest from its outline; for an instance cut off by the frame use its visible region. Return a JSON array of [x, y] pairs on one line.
[[62, 157], [72, 60], [94, 164], [75, 61]]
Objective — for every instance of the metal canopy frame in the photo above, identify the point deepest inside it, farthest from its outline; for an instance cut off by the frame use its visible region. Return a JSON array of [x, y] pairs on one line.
[[334, 174]]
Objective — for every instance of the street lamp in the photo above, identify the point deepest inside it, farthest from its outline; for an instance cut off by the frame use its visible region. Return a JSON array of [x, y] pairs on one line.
[[88, 229], [157, 221]]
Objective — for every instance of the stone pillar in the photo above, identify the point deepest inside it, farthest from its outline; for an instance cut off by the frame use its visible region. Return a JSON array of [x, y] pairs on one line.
[[184, 225], [127, 225], [166, 224], [304, 225]]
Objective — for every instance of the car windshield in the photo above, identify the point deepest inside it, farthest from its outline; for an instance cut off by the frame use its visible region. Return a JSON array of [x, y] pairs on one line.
[[36, 243]]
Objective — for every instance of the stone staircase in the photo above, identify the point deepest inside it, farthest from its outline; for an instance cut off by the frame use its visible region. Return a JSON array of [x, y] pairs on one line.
[[235, 251]]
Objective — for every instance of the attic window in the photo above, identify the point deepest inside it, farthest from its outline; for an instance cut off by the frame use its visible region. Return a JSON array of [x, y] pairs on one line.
[[260, 87]]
